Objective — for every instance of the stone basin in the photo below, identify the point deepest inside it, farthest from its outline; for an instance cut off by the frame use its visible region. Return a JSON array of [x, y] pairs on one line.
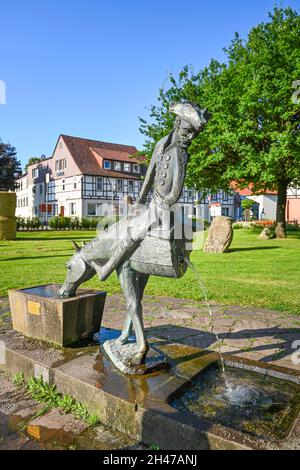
[[38, 312], [263, 406]]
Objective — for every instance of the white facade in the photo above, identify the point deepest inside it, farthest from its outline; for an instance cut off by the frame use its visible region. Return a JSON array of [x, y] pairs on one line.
[[267, 205]]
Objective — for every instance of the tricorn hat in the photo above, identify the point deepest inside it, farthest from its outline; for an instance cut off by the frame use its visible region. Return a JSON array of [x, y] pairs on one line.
[[191, 113]]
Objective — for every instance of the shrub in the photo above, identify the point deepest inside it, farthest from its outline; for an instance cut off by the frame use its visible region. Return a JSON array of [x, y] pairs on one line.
[[237, 225], [74, 223], [54, 223], [60, 223], [21, 223], [259, 225]]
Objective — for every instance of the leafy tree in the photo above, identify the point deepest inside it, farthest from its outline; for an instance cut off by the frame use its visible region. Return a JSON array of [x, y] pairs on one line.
[[9, 167], [247, 203], [33, 160], [253, 136]]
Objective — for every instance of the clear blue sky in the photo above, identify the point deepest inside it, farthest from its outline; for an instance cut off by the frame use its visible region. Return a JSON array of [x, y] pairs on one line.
[[90, 68]]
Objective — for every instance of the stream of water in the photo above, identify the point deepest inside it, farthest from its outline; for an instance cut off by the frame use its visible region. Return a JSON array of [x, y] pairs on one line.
[[205, 295]]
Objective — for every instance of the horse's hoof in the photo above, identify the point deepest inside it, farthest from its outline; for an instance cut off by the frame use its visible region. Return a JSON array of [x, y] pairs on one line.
[[138, 359]]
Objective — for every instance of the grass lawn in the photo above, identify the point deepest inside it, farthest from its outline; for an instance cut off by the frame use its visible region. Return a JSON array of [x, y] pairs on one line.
[[254, 273]]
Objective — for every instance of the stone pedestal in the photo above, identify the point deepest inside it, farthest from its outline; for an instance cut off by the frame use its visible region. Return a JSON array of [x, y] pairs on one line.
[[39, 313], [120, 356]]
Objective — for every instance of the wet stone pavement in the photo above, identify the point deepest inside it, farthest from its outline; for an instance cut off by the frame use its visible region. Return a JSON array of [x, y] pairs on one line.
[[257, 334], [28, 425]]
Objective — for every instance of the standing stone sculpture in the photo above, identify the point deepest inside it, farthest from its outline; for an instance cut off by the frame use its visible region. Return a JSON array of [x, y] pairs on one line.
[[265, 234], [144, 242], [220, 235]]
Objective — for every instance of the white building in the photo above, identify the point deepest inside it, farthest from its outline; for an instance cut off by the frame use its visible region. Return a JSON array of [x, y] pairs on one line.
[[84, 176]]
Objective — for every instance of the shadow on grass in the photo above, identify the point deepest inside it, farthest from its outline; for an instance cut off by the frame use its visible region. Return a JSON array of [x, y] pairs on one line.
[[21, 258], [49, 238], [253, 248]]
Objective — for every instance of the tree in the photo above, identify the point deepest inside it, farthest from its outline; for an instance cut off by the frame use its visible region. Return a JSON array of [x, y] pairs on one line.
[[33, 160], [253, 136], [10, 167]]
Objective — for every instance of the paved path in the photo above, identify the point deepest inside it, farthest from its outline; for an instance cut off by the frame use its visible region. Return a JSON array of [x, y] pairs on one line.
[[258, 334]]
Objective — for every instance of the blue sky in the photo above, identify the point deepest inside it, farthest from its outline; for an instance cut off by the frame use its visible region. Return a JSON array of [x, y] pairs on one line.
[[90, 68]]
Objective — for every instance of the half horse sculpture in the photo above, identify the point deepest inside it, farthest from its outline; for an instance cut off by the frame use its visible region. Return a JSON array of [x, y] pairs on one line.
[[149, 240]]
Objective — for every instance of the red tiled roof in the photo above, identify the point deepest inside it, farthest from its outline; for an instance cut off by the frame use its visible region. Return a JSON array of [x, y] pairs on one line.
[[249, 192], [85, 153]]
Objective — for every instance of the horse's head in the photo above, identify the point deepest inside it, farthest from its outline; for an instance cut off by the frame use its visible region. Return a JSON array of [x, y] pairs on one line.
[[79, 271]]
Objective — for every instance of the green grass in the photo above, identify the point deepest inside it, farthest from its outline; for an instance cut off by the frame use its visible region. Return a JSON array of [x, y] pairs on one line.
[[254, 273], [45, 393]]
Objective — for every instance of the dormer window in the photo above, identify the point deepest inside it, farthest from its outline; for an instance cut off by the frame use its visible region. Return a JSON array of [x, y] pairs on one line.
[[136, 168], [117, 166], [126, 166], [107, 165], [35, 173]]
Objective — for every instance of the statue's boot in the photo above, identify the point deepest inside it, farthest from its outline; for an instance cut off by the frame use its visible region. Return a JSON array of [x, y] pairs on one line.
[[122, 251]]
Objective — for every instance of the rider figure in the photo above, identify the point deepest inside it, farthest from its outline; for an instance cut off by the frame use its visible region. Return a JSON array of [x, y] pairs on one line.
[[165, 174]]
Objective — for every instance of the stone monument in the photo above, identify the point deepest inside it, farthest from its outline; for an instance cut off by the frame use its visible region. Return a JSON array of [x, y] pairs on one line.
[[220, 235], [144, 242]]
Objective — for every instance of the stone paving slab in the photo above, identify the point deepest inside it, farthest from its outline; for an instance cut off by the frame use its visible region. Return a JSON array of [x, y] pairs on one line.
[[242, 330], [53, 430]]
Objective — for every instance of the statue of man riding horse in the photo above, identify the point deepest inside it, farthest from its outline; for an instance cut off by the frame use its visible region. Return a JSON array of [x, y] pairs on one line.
[[144, 242]]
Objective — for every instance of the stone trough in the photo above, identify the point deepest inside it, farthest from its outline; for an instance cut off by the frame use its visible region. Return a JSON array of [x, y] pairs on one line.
[[38, 312]]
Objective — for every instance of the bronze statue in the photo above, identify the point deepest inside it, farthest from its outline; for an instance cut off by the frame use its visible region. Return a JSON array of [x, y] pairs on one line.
[[143, 243]]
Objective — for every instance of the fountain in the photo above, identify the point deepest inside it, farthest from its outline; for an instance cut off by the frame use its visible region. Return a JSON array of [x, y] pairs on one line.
[[151, 388]]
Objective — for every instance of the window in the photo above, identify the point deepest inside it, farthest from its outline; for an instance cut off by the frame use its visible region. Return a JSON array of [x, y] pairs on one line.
[[64, 163], [120, 185], [225, 211], [35, 172], [214, 197], [91, 209], [117, 166], [136, 168], [63, 185], [72, 208], [75, 185], [99, 184], [41, 189], [225, 196], [56, 165], [130, 186], [107, 165], [190, 193], [126, 166]]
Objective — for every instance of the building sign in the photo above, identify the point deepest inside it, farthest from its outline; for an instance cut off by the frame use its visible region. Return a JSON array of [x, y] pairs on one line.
[[45, 207]]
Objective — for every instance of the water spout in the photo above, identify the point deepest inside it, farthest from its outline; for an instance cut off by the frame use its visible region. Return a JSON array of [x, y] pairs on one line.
[[205, 295]]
